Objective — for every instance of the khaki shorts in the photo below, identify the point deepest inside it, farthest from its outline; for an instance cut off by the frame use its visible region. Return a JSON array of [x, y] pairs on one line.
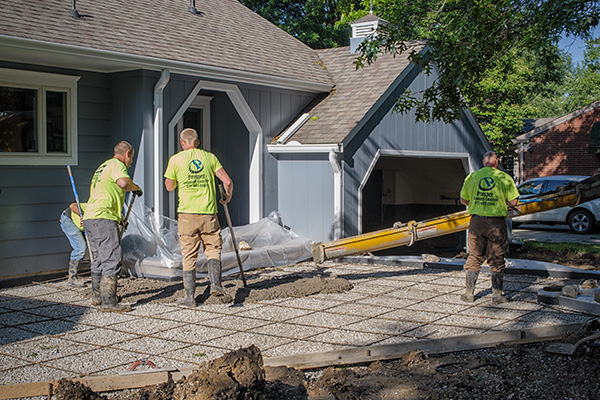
[[197, 229]]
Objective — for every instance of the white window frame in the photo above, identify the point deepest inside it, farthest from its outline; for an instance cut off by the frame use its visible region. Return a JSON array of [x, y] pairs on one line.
[[43, 82]]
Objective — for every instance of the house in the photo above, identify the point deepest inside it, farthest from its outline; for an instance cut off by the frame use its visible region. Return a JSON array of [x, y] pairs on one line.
[[76, 78], [351, 165], [567, 145]]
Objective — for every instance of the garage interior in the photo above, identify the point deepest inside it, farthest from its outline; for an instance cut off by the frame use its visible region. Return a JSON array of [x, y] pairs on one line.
[[401, 189]]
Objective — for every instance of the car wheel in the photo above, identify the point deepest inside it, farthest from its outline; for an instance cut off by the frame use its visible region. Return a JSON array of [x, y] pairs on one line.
[[581, 221]]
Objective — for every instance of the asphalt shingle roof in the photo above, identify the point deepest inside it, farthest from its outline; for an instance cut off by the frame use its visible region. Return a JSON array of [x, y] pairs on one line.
[[355, 93], [226, 34]]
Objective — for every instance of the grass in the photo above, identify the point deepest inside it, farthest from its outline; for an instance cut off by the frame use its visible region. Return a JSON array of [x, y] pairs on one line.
[[562, 247]]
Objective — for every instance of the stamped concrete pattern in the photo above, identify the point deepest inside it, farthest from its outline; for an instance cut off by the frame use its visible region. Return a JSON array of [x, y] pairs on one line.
[[49, 331]]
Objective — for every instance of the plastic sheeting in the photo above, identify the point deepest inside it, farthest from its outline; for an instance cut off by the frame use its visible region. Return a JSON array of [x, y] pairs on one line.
[[151, 246]]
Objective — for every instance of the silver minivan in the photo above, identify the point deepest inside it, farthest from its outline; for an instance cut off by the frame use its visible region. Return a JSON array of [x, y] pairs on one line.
[[582, 218]]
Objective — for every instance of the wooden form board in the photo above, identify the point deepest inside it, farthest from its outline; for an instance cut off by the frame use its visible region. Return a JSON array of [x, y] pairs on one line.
[[433, 346], [313, 360]]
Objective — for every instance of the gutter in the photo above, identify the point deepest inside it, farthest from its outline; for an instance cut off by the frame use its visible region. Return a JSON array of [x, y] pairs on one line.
[[131, 61], [158, 140]]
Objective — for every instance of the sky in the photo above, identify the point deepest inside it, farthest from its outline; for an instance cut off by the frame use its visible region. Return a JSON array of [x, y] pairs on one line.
[[576, 46]]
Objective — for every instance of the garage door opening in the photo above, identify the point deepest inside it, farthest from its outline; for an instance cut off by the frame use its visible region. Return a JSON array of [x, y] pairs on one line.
[[402, 189]]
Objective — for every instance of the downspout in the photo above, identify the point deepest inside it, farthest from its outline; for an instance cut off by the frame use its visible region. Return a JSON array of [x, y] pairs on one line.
[[158, 140], [337, 194]]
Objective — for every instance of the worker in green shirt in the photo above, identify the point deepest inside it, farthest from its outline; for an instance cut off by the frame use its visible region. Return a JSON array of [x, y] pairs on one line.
[[193, 171], [487, 192], [72, 226], [101, 222]]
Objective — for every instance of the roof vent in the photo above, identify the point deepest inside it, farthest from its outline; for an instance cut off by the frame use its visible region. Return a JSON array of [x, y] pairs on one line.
[[363, 28], [192, 8], [74, 13]]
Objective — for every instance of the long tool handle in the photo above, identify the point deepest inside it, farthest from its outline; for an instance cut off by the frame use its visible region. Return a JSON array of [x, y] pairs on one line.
[[125, 222], [87, 240], [235, 244]]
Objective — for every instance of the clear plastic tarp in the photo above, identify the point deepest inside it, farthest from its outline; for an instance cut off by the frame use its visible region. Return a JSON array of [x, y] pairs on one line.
[[151, 247]]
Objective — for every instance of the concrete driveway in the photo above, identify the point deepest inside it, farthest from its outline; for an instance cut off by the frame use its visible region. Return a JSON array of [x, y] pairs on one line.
[[553, 233]]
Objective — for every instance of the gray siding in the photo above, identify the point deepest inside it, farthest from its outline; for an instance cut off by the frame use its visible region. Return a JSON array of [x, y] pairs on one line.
[[393, 131], [33, 197], [306, 195], [274, 110]]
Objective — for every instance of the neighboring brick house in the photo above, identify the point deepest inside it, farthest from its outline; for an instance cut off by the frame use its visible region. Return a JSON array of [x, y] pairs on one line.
[[567, 145]]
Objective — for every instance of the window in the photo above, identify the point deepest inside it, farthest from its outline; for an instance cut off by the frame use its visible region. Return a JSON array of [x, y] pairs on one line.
[[37, 118], [595, 139]]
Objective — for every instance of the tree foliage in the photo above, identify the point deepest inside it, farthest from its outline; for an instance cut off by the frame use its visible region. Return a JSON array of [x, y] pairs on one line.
[[475, 43], [317, 23]]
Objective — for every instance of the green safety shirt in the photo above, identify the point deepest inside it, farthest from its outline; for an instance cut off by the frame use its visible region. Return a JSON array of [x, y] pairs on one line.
[[487, 191], [75, 216], [106, 197], [194, 171]]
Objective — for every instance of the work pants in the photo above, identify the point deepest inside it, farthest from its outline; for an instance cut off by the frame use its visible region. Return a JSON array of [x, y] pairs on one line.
[[75, 236], [195, 230], [105, 245], [487, 238]]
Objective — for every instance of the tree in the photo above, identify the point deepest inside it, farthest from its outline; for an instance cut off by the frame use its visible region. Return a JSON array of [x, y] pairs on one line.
[[469, 41], [317, 23]]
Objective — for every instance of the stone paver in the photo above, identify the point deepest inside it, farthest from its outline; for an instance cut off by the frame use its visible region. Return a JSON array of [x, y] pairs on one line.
[[49, 331]]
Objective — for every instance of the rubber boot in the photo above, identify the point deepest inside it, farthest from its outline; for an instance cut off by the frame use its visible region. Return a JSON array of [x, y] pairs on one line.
[[96, 298], [108, 291], [497, 285], [470, 280], [214, 274], [73, 281], [189, 286]]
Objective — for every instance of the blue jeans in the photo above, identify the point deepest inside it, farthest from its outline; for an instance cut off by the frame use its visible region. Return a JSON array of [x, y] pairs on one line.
[[75, 237]]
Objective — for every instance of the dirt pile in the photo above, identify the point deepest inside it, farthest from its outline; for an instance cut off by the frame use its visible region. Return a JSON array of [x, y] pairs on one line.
[[587, 261]]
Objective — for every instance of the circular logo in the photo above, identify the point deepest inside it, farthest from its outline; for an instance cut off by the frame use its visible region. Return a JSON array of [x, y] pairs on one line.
[[195, 166], [486, 184]]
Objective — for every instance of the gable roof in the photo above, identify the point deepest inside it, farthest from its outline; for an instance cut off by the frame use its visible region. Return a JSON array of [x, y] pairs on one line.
[[551, 123], [122, 35], [356, 93]]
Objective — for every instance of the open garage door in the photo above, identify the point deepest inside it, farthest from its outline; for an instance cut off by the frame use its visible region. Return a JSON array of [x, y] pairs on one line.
[[401, 189]]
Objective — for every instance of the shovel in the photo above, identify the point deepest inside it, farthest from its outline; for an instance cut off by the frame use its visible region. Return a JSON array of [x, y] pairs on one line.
[[235, 245], [568, 348]]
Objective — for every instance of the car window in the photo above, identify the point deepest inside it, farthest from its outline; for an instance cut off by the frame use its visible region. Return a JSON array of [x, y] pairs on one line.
[[553, 185], [529, 188]]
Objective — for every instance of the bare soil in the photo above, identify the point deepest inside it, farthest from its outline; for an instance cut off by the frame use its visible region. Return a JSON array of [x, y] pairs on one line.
[[503, 372]]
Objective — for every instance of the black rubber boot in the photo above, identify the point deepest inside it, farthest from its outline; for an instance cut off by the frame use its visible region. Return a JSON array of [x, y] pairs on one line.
[[497, 285], [108, 291], [73, 281], [189, 286], [470, 281], [96, 298], [214, 274]]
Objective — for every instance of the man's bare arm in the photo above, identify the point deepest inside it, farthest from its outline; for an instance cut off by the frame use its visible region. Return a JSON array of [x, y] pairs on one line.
[[127, 185], [170, 184], [227, 184]]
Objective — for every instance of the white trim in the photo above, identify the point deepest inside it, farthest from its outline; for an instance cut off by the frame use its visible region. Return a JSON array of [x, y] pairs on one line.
[[255, 132], [158, 140], [44, 82], [402, 153], [338, 212], [110, 61], [295, 147], [293, 129]]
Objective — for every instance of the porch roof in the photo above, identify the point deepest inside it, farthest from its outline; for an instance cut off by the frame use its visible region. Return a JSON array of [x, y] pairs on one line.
[[357, 92], [226, 36]]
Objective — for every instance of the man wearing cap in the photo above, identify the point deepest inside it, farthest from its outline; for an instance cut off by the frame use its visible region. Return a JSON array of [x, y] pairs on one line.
[[487, 192]]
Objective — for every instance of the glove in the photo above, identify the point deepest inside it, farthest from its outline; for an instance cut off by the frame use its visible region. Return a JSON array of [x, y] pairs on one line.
[[138, 193]]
